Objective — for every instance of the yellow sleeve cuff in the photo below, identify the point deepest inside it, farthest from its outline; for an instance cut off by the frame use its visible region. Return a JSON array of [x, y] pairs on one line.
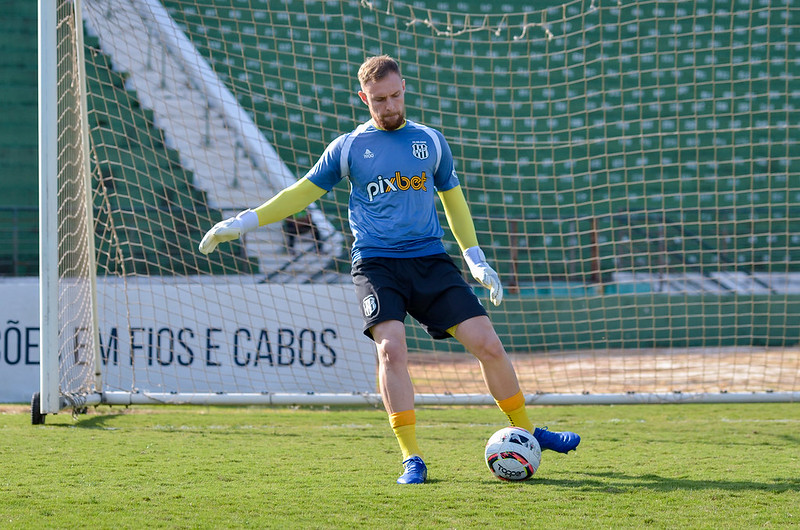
[[289, 201], [458, 217]]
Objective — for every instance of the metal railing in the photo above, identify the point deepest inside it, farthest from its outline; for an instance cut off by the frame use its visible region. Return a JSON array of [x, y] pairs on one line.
[[588, 249]]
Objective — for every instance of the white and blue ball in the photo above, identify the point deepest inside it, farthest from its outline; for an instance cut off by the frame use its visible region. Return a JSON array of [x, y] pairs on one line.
[[512, 453]]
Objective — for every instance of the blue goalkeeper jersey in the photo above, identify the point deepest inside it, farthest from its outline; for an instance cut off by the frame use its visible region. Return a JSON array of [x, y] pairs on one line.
[[393, 178]]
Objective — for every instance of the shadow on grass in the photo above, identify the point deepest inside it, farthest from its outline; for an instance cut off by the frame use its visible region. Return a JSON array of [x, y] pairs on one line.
[[613, 482], [92, 421], [106, 422]]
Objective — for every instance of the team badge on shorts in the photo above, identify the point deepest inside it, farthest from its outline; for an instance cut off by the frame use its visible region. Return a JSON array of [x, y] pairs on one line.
[[369, 304], [419, 150]]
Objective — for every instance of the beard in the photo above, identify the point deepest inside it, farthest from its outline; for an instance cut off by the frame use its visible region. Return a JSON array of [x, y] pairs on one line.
[[390, 123]]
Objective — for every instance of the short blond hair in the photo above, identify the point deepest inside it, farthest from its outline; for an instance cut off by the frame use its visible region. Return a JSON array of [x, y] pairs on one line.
[[376, 68]]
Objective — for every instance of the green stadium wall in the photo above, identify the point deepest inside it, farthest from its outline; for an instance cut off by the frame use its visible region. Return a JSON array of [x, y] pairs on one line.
[[641, 321]]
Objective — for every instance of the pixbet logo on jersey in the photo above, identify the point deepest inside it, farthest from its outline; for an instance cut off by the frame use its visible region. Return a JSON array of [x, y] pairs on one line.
[[399, 182]]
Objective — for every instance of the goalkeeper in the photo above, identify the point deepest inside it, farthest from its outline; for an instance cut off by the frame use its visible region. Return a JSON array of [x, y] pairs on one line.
[[399, 264]]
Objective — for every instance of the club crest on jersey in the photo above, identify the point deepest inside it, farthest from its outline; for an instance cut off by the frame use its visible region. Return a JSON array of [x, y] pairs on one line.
[[369, 304], [419, 150]]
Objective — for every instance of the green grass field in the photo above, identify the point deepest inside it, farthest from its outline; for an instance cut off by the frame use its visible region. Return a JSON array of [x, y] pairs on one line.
[[653, 466]]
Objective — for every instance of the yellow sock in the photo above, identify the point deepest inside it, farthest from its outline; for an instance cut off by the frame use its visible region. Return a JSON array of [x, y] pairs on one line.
[[404, 425], [514, 408]]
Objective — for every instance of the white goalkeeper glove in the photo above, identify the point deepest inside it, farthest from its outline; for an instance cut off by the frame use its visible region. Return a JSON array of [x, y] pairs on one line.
[[228, 230], [485, 275]]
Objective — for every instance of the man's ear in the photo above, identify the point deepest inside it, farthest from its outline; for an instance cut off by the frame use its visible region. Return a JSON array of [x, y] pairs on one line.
[[363, 96]]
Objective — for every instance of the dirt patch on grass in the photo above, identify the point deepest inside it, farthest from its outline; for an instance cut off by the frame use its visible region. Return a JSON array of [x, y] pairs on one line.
[[621, 371], [14, 409]]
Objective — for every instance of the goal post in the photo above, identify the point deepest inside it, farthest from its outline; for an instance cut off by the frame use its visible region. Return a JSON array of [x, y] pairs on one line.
[[48, 208], [68, 300], [631, 167]]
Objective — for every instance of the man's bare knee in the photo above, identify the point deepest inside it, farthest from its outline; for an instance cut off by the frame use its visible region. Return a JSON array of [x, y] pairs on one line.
[[392, 352], [488, 348], [390, 342]]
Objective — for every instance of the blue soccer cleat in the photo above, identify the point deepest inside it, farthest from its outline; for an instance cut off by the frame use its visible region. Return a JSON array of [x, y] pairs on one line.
[[415, 471], [560, 442]]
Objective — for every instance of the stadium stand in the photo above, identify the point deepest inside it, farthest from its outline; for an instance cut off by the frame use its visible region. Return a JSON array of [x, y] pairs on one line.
[[18, 139], [142, 183], [668, 183], [647, 160]]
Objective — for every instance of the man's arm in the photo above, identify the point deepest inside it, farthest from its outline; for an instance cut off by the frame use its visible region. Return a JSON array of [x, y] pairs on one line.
[[458, 217], [287, 202]]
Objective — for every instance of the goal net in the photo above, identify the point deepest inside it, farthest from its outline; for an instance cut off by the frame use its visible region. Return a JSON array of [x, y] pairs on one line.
[[631, 167]]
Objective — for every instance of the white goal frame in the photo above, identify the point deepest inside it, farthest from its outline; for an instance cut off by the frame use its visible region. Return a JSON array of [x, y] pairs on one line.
[[54, 397], [49, 397]]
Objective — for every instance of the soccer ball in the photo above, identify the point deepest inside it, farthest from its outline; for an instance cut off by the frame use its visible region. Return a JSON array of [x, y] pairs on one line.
[[512, 453]]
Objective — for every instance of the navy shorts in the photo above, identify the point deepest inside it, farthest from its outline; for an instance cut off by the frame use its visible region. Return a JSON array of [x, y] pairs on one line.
[[431, 289]]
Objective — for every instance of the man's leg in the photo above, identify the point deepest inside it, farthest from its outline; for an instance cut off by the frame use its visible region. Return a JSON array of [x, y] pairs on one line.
[[397, 392], [479, 337], [393, 377]]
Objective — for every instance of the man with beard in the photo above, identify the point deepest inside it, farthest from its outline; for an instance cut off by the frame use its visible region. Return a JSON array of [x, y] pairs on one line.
[[399, 263]]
